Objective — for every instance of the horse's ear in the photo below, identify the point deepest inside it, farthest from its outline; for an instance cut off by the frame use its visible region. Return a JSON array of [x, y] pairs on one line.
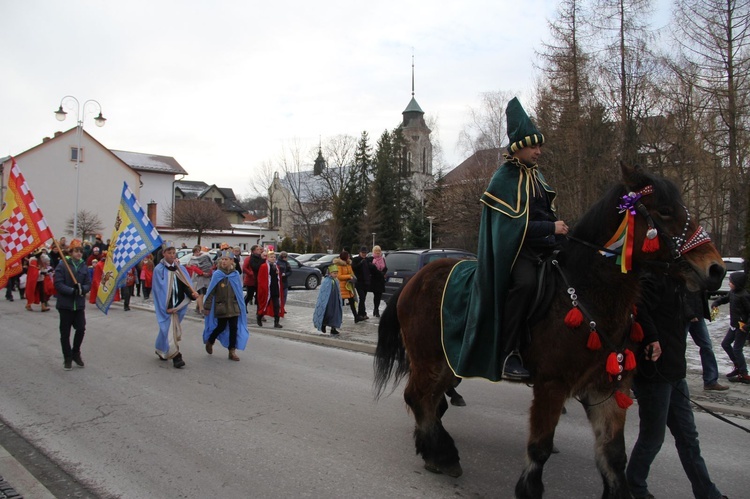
[[631, 175]]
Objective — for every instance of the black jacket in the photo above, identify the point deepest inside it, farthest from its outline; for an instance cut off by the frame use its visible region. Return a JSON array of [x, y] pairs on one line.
[[739, 307], [662, 314], [67, 299], [361, 268]]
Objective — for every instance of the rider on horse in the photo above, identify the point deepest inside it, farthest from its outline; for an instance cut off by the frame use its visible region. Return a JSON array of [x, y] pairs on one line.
[[518, 229]]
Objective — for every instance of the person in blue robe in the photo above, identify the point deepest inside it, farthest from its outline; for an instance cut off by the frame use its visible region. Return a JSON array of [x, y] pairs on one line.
[[224, 307], [329, 310]]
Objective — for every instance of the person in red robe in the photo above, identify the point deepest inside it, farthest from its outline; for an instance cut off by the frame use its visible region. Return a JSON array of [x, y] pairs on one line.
[[270, 291], [33, 296]]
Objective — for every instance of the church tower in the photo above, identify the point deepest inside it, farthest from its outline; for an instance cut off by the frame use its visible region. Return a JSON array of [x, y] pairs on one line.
[[417, 136]]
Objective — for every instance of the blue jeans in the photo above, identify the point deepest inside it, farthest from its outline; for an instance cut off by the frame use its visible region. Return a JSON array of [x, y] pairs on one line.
[[733, 344], [699, 332], [661, 406]]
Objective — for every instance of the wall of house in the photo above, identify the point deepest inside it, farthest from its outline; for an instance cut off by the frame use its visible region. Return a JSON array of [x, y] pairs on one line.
[[51, 176], [157, 187]]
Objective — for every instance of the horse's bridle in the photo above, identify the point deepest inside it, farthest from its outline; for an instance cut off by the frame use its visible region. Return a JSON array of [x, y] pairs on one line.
[[677, 245]]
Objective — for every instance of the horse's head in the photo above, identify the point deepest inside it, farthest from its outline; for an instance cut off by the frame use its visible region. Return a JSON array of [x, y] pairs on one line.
[[664, 231]]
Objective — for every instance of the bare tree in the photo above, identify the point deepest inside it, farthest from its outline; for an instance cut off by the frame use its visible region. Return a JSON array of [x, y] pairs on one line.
[[714, 36], [305, 199], [89, 224], [486, 126], [195, 217]]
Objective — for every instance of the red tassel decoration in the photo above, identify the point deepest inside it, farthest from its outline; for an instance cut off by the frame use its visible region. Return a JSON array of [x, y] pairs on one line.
[[650, 245], [622, 400], [594, 342], [613, 367], [574, 318], [636, 332], [629, 360]]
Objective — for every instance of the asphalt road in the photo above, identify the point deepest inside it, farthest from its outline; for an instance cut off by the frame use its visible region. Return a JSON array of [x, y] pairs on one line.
[[291, 419]]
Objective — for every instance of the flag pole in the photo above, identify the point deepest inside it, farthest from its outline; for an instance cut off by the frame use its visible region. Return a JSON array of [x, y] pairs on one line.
[[65, 261]]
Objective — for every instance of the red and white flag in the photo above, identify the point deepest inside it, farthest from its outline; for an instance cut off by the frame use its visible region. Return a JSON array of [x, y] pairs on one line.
[[22, 226]]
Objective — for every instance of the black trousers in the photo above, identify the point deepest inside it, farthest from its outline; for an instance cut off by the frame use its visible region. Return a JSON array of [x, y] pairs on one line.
[[520, 297], [362, 292], [223, 321], [77, 320], [126, 292]]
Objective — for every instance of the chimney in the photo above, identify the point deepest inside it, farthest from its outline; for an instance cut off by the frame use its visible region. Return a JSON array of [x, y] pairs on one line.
[[152, 212], [57, 134], [45, 139]]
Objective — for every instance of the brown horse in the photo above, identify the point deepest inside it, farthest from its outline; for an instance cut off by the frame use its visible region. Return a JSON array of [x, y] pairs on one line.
[[409, 335]]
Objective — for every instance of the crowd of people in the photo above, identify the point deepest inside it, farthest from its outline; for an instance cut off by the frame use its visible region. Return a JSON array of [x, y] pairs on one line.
[[221, 287]]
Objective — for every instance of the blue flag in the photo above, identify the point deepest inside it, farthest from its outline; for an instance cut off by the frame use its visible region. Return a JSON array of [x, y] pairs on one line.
[[134, 237]]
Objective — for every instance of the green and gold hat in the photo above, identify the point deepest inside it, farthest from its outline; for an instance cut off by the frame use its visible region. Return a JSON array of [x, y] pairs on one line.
[[333, 268], [521, 131]]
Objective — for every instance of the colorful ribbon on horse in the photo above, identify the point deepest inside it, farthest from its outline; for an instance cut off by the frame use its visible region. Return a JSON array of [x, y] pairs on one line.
[[625, 233]]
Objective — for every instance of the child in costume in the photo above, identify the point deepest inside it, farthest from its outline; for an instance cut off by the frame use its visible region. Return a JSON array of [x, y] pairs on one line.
[[224, 308], [328, 309]]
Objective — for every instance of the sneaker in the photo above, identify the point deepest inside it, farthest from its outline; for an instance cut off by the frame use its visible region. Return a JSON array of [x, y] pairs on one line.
[[513, 369], [77, 359], [715, 387]]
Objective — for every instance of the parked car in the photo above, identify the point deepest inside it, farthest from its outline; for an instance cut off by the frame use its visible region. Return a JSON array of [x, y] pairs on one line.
[[309, 257], [402, 265], [303, 276], [184, 251], [733, 264], [293, 255], [322, 263]]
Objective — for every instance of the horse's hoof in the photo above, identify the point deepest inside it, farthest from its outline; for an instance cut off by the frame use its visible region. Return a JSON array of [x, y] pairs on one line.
[[453, 470], [458, 401]]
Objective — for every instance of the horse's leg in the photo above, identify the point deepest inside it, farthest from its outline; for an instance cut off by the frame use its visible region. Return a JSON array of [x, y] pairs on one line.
[[549, 398], [424, 394], [608, 423]]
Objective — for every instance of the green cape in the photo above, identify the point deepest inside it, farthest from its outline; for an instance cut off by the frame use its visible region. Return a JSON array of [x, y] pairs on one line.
[[474, 295]]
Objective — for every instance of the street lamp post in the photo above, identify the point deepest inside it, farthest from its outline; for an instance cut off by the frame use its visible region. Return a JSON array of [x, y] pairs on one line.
[[373, 239], [80, 115], [430, 219]]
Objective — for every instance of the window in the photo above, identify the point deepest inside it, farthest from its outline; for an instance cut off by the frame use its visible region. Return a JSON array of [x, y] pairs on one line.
[[74, 154]]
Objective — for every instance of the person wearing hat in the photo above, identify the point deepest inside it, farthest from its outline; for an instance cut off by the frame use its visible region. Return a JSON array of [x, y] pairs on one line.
[[99, 243], [226, 318], [72, 282], [96, 254], [346, 286], [270, 291], [739, 325], [172, 295], [328, 308], [362, 271], [201, 268], [518, 228]]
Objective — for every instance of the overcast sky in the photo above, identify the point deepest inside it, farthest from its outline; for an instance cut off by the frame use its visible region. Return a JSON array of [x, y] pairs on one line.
[[223, 86]]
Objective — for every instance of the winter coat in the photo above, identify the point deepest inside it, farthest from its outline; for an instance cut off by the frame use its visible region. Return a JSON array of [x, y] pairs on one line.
[[377, 277], [345, 275], [66, 298], [661, 314], [248, 275], [739, 302]]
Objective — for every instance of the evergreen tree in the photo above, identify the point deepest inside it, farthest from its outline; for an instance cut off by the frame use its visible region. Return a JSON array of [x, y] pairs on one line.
[[354, 198], [385, 194]]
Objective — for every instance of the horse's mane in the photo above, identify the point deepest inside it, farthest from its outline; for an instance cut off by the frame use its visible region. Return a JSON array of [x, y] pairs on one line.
[[599, 222]]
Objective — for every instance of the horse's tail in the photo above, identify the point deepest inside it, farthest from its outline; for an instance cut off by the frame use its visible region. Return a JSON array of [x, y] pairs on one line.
[[390, 354]]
